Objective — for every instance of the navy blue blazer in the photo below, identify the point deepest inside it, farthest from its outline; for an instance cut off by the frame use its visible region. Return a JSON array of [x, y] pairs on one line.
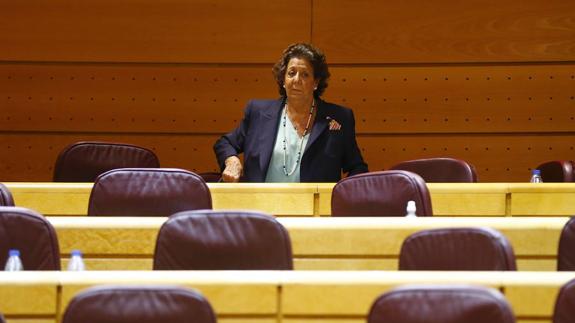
[[326, 155]]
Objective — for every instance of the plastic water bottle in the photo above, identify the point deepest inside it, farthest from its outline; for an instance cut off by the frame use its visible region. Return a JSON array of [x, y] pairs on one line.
[[14, 263], [410, 210], [76, 262], [536, 176]]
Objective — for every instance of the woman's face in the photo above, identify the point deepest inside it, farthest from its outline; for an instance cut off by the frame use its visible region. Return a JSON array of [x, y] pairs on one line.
[[299, 80]]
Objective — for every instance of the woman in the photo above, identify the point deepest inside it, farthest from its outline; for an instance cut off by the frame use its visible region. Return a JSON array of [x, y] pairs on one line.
[[297, 138]]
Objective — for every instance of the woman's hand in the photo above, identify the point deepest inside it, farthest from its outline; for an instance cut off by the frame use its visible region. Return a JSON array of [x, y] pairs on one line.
[[233, 170]]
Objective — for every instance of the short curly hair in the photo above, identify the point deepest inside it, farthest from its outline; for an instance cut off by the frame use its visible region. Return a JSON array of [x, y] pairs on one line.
[[313, 55]]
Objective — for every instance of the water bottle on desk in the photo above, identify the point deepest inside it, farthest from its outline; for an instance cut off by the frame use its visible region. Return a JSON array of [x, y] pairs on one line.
[[536, 176], [410, 210], [76, 262], [14, 263]]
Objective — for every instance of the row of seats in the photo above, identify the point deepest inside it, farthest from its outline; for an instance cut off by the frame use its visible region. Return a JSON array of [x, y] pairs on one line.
[[406, 304], [165, 191], [242, 240], [84, 161]]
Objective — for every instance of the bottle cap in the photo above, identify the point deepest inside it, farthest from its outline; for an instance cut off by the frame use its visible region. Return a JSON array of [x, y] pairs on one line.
[[76, 252], [14, 252], [536, 172]]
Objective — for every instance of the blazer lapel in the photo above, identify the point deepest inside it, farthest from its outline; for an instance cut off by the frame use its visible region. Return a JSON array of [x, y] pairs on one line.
[[319, 126], [269, 127]]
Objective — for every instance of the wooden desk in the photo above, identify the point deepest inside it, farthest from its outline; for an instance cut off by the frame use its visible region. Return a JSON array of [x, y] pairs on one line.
[[448, 199], [318, 243], [275, 296]]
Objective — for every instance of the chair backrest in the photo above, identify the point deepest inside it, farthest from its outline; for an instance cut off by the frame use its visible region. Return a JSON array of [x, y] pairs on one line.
[[84, 161], [383, 193], [440, 170], [557, 171], [441, 304], [2, 319], [211, 177], [566, 252], [148, 192], [138, 304], [6, 198], [564, 310], [457, 249], [30, 233], [222, 240]]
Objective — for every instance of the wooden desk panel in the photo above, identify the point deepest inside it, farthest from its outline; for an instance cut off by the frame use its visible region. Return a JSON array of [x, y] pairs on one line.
[[549, 199], [317, 243], [306, 199], [281, 296], [330, 295], [449, 199], [29, 296], [232, 293]]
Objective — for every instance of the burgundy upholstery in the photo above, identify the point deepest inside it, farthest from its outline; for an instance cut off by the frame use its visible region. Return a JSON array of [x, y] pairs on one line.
[[148, 192], [440, 170], [383, 193], [566, 253], [557, 171], [222, 240], [30, 233], [441, 304], [457, 249], [565, 304], [84, 161], [5, 196], [2, 319], [139, 304]]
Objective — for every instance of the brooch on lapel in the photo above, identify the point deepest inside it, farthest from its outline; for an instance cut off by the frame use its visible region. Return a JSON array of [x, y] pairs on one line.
[[333, 125]]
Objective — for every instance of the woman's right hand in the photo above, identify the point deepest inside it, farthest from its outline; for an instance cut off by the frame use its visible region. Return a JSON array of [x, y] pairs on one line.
[[233, 170]]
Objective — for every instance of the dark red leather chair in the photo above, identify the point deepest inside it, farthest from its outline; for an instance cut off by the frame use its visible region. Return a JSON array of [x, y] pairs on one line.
[[6, 198], [383, 193], [557, 171], [457, 249], [441, 304], [139, 304], [440, 170], [566, 252], [148, 192], [222, 240], [565, 304], [84, 161], [30, 233]]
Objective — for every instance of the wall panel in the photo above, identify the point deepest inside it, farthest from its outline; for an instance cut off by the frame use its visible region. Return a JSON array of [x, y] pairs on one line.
[[31, 157], [457, 99], [446, 31], [497, 158], [129, 98], [151, 31]]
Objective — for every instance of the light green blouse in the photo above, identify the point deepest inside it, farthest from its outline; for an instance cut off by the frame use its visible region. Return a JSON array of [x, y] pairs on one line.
[[276, 172]]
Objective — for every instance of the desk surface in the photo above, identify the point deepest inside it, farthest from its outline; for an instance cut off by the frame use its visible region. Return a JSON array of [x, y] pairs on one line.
[[317, 243], [274, 296], [302, 199]]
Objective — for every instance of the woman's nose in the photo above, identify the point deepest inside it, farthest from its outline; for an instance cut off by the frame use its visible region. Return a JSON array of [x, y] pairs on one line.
[[297, 78]]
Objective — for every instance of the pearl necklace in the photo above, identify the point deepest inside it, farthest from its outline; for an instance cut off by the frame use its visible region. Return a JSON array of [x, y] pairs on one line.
[[286, 173]]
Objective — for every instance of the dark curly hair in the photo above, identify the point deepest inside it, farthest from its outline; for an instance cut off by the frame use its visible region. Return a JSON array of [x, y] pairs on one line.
[[313, 55]]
